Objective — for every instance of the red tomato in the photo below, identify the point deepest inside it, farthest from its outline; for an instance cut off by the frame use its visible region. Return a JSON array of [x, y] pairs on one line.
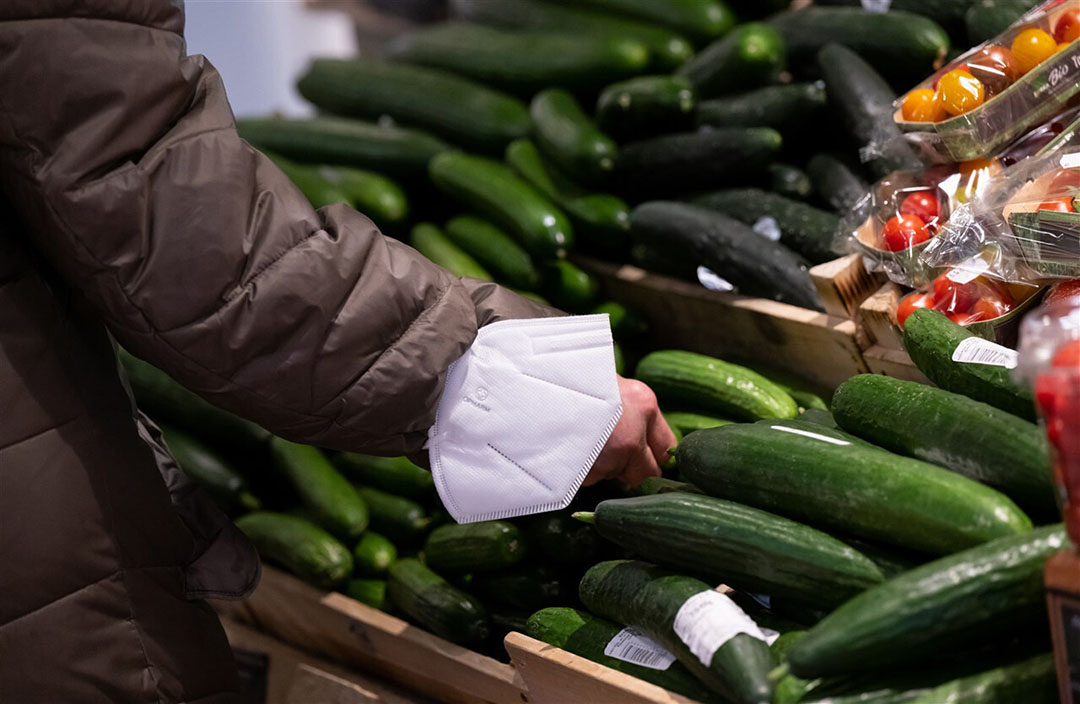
[[995, 67], [991, 307], [904, 231], [1059, 205], [1061, 291], [1067, 28], [923, 205], [911, 303], [951, 297], [1046, 394], [1068, 355], [1065, 179], [964, 318]]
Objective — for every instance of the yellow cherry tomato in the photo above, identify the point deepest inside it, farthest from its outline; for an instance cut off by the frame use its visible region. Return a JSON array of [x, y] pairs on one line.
[[960, 92], [922, 105], [1031, 47]]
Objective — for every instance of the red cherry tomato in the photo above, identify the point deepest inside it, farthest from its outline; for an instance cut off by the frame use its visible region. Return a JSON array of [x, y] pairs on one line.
[[911, 303], [1065, 179], [1063, 290], [1068, 355], [953, 297], [1058, 205], [1067, 28], [1046, 393], [995, 67], [991, 307], [923, 205], [964, 318], [904, 231]]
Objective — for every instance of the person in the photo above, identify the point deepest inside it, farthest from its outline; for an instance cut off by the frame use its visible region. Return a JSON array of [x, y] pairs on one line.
[[132, 211]]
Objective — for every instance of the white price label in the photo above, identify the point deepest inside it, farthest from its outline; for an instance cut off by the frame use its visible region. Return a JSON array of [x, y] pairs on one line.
[[968, 271], [975, 350], [770, 635], [709, 619], [631, 645], [876, 5], [767, 227], [713, 281]]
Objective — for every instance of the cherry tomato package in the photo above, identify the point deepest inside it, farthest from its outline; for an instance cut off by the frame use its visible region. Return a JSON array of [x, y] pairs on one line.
[[993, 93]]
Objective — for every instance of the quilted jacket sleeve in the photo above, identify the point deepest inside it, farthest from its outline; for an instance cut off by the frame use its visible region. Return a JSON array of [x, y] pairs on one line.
[[120, 154]]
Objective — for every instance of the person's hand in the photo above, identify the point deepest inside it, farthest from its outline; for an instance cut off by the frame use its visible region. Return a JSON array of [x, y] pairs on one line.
[[640, 442]]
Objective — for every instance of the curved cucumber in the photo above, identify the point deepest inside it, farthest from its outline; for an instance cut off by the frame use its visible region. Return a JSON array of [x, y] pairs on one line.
[[372, 194], [750, 56], [395, 475], [474, 547], [570, 138], [224, 484], [319, 191], [373, 555], [299, 546], [435, 604], [430, 241], [646, 106], [494, 250], [330, 497]]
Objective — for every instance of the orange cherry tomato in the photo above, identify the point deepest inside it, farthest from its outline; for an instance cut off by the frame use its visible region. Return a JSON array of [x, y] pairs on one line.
[[922, 105], [991, 307], [1068, 355], [1058, 205], [995, 67], [1031, 47], [904, 231], [1062, 290], [911, 303], [1067, 28], [923, 205], [960, 92]]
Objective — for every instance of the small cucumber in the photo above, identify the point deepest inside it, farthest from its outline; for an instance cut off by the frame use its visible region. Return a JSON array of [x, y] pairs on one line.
[[689, 422], [435, 604], [317, 189], [331, 498], [650, 486], [299, 546], [570, 138], [817, 416], [625, 323], [562, 541], [372, 194], [373, 555], [526, 587], [474, 547], [223, 483], [395, 475], [750, 56], [569, 287], [1031, 681], [430, 241], [790, 182], [646, 106], [367, 591], [399, 519], [836, 184], [494, 250], [785, 108]]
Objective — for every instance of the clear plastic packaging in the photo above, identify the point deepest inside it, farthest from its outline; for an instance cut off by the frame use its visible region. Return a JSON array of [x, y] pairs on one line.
[[993, 93]]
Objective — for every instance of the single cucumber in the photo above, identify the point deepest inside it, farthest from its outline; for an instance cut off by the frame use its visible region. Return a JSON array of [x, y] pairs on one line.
[[956, 601], [600, 220], [712, 384], [646, 106], [948, 13], [569, 287], [965, 436], [321, 488], [526, 587], [649, 598], [332, 140], [494, 191], [588, 636], [680, 237], [750, 56], [986, 19], [373, 555], [474, 547], [817, 416], [931, 338], [460, 110], [367, 591], [836, 184], [737, 545], [430, 241], [625, 323], [318, 190], [223, 483], [508, 621], [802, 227], [885, 497], [889, 560], [665, 49], [523, 63], [374, 195], [651, 486], [395, 475], [570, 138], [811, 429], [299, 546], [691, 162], [435, 604], [789, 181], [902, 46], [689, 422], [561, 540], [399, 519], [864, 103], [785, 108], [494, 250], [699, 20], [807, 400], [1032, 681]]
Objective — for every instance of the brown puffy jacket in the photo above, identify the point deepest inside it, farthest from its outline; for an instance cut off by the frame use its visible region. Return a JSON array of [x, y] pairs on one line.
[[129, 206]]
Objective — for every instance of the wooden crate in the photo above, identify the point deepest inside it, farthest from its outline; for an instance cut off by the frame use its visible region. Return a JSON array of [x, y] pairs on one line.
[[894, 363], [877, 317], [844, 283], [820, 348], [343, 630]]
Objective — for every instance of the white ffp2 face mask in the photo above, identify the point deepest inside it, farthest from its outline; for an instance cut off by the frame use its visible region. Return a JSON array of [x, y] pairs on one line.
[[523, 416]]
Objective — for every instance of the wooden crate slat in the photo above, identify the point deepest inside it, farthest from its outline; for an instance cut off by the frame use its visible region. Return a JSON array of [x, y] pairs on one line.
[[877, 316], [844, 283], [894, 363]]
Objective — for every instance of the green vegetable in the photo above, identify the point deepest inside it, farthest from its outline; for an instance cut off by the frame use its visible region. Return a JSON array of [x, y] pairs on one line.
[[620, 360], [570, 138], [399, 519], [790, 182], [700, 20], [1032, 681], [367, 591], [562, 541], [373, 555], [750, 56], [837, 185], [223, 483], [527, 587], [474, 547], [818, 417], [788, 109], [650, 486], [646, 106], [330, 497], [569, 287], [318, 190], [494, 250], [430, 241], [395, 475], [625, 323], [435, 604], [299, 546], [372, 194], [689, 422], [986, 19]]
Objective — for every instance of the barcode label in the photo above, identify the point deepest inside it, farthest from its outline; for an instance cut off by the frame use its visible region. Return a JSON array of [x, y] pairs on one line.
[[631, 645], [709, 619], [975, 350]]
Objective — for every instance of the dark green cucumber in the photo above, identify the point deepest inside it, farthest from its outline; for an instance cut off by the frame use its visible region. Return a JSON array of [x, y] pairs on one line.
[[600, 220], [817, 416], [317, 189], [430, 241], [986, 19], [372, 194], [785, 108], [947, 13], [665, 49], [331, 498], [651, 486], [961, 600], [708, 383], [435, 604], [806, 475], [699, 20], [299, 546], [332, 140], [561, 540], [688, 236], [367, 591], [570, 287], [452, 107], [644, 596], [750, 56], [570, 138], [692, 162], [399, 519], [165, 400], [1032, 681], [836, 184], [625, 323], [224, 484], [790, 182], [689, 422], [646, 106], [620, 359], [737, 545], [525, 587], [807, 400], [804, 228], [494, 250], [494, 191], [803, 427], [931, 338], [903, 47], [395, 475], [889, 560], [373, 555], [863, 102], [588, 636], [523, 63], [953, 431], [474, 547]]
